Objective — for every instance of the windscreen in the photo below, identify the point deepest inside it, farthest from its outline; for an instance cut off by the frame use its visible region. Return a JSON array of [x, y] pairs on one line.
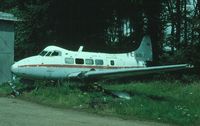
[[50, 53], [43, 53]]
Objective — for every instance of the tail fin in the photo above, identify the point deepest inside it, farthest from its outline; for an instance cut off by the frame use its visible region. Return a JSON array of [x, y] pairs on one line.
[[144, 52]]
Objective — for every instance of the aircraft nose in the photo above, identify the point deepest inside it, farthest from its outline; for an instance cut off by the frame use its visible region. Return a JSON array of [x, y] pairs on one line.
[[14, 68]]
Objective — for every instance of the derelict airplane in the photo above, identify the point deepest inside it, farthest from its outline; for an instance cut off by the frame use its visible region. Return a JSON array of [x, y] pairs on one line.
[[57, 63]]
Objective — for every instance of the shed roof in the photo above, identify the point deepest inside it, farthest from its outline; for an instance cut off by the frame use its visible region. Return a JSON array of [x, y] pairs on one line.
[[7, 17]]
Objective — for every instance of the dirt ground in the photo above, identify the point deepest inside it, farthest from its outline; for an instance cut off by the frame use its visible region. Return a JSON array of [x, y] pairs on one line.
[[15, 112]]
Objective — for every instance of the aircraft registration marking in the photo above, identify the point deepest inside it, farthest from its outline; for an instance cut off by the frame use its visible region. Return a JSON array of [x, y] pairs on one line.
[[131, 54]]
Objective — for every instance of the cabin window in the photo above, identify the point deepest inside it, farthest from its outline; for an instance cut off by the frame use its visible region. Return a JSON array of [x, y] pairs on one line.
[[43, 53], [79, 61], [69, 60], [89, 61], [56, 53], [99, 62], [112, 63]]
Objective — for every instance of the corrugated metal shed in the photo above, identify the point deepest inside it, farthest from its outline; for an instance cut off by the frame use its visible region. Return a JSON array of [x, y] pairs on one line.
[[6, 45]]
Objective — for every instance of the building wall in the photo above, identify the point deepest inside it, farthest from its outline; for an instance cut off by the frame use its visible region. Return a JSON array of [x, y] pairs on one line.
[[6, 49]]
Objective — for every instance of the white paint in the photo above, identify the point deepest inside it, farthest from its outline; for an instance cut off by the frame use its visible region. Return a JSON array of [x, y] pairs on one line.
[[51, 64], [55, 67]]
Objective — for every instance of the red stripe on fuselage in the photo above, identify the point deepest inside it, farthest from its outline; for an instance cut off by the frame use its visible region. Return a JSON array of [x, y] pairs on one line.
[[79, 66]]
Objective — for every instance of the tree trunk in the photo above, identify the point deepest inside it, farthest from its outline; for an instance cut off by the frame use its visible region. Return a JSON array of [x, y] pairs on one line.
[[173, 21], [185, 23], [153, 10], [172, 38], [198, 5], [178, 23]]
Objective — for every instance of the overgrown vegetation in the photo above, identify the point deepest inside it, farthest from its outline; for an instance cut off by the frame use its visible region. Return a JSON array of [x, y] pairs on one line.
[[163, 101]]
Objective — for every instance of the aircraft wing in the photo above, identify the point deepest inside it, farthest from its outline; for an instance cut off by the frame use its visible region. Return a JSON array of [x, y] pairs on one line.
[[125, 72]]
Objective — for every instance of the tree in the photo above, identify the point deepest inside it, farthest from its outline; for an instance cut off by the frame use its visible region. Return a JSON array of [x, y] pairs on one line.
[[153, 11], [92, 23]]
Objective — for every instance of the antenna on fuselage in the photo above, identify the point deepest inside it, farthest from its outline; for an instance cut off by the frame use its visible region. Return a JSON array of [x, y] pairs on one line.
[[80, 49]]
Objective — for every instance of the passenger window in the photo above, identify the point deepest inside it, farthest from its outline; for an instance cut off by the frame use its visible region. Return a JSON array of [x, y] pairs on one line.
[[112, 63], [56, 53], [98, 62], [89, 61], [79, 61], [69, 60]]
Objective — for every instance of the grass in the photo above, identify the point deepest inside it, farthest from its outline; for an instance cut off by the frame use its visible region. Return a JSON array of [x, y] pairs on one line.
[[4, 89], [163, 101]]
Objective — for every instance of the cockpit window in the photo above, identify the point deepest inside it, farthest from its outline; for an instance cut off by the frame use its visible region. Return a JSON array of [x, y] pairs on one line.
[[48, 54], [56, 53], [43, 53]]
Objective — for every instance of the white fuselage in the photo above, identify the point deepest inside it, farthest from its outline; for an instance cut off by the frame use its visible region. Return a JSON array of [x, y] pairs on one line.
[[57, 63]]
